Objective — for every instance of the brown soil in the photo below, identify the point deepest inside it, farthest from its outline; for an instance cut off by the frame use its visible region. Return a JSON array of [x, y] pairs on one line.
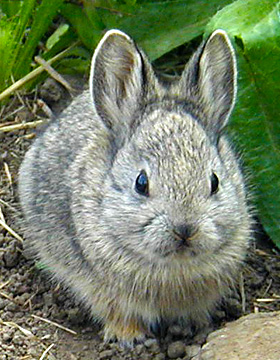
[[28, 299]]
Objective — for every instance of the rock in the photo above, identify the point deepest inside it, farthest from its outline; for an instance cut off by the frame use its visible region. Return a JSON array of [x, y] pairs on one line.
[[51, 91], [254, 337], [176, 350], [106, 354], [193, 351], [160, 356], [152, 345], [3, 303], [12, 307], [11, 255]]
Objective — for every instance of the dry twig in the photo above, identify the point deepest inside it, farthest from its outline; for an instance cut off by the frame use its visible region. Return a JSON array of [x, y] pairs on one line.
[[4, 284], [55, 324], [46, 351], [267, 300], [26, 332], [6, 296], [11, 231], [18, 84], [8, 205], [23, 126], [53, 73], [8, 173]]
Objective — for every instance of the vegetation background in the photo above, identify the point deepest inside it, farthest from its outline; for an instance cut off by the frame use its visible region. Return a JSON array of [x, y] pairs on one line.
[[36, 34]]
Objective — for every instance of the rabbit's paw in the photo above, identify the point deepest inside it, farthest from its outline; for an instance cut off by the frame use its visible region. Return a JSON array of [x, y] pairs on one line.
[[128, 334]]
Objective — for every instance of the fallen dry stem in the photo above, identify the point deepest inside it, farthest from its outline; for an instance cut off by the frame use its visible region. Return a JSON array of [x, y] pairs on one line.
[[55, 324], [18, 84], [8, 205], [26, 332], [4, 284], [8, 173], [23, 126], [11, 231], [53, 73], [46, 352], [7, 297], [11, 114]]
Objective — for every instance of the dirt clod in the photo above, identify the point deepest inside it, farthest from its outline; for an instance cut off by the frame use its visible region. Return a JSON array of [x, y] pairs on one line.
[[11, 255], [176, 350]]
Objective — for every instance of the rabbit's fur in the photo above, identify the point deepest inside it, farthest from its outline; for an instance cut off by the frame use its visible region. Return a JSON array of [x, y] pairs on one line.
[[166, 246]]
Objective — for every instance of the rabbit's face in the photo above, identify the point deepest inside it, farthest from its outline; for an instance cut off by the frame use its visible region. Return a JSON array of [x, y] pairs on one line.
[[174, 188], [169, 193]]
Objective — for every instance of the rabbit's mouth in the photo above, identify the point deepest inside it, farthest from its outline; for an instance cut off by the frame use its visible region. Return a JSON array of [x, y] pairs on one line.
[[164, 236], [178, 245], [178, 250]]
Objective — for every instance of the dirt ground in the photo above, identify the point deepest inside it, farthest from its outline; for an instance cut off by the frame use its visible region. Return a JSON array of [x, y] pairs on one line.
[[38, 319]]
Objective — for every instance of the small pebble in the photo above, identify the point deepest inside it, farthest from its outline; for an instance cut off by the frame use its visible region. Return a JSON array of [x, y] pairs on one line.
[[152, 345], [50, 91], [176, 350], [139, 348], [18, 340], [3, 303], [48, 298], [106, 354], [7, 336], [11, 255], [149, 342], [160, 356], [193, 351], [12, 307]]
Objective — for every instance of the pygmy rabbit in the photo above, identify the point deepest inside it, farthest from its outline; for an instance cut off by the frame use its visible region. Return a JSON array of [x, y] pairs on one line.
[[133, 197]]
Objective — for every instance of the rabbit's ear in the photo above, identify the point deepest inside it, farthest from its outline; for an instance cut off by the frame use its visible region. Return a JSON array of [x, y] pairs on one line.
[[211, 75], [117, 81]]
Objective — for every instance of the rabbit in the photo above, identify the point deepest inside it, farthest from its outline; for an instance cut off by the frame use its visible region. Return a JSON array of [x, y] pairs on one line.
[[133, 197]]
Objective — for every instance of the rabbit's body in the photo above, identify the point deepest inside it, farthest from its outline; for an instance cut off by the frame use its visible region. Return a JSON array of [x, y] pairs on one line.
[[137, 203]]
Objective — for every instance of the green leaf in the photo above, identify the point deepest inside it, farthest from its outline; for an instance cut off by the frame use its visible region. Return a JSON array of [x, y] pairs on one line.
[[9, 7], [12, 32], [157, 27], [255, 28], [60, 43], [89, 31], [56, 36], [42, 19]]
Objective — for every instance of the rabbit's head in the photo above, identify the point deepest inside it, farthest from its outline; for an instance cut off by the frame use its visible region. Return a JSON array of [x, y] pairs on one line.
[[173, 189]]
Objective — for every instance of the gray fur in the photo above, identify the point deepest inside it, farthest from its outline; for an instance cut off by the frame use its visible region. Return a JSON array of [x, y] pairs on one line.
[[135, 259]]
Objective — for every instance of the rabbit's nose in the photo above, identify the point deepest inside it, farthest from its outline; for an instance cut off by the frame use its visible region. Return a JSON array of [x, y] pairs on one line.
[[183, 232]]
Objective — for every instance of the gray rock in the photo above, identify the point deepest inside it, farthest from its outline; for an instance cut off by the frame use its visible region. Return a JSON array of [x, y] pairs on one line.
[[11, 255], [176, 350], [193, 352], [152, 345], [254, 337], [106, 354]]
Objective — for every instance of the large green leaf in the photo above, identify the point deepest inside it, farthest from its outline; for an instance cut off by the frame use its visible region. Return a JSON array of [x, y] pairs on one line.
[[158, 27], [22, 27], [255, 28], [12, 31], [89, 31], [42, 19]]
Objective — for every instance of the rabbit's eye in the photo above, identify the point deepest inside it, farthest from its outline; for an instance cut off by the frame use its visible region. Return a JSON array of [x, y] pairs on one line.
[[214, 183], [142, 184]]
